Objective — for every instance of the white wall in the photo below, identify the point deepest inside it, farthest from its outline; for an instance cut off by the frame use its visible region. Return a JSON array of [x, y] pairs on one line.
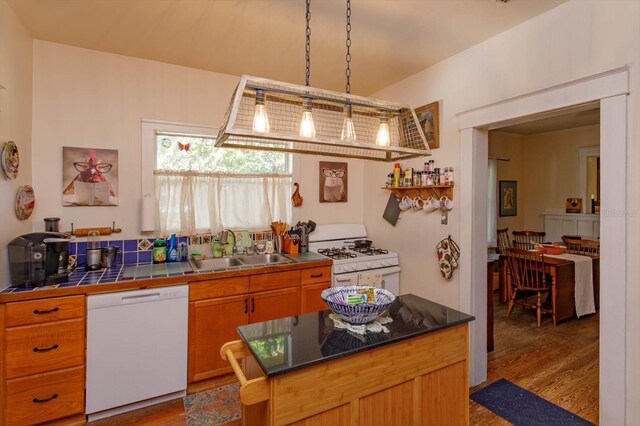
[[87, 98], [573, 40], [15, 124]]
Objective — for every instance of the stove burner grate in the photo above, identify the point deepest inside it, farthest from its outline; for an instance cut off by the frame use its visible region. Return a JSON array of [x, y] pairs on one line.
[[337, 253], [369, 251]]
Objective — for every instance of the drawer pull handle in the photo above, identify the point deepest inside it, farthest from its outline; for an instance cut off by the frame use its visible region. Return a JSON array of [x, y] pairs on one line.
[[46, 349], [38, 311], [246, 306], [253, 304], [316, 275], [37, 400]]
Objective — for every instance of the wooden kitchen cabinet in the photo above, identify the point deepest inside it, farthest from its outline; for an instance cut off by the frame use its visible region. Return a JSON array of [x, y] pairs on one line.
[[310, 300], [43, 353], [212, 323], [268, 305]]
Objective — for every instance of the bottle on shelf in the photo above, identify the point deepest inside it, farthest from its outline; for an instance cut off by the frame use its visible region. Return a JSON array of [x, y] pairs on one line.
[[451, 178], [396, 175]]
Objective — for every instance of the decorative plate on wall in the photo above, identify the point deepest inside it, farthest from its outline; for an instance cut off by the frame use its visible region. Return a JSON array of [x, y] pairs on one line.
[[10, 160], [25, 202]]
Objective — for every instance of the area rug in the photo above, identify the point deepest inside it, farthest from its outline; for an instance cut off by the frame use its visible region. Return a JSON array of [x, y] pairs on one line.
[[217, 406], [523, 408]]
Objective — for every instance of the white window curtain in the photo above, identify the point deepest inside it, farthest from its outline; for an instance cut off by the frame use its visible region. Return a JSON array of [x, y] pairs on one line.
[[492, 203], [193, 202]]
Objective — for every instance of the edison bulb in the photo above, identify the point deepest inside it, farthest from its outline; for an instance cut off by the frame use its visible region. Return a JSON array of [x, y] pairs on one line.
[[348, 130], [307, 128], [260, 117], [384, 138]]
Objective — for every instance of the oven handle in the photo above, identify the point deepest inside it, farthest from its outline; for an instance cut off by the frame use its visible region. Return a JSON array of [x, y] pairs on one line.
[[385, 271]]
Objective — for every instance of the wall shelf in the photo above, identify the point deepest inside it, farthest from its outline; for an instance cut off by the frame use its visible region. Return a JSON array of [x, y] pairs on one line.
[[435, 191]]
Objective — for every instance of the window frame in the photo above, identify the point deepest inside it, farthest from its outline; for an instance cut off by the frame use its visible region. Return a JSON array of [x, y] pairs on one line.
[[151, 128]]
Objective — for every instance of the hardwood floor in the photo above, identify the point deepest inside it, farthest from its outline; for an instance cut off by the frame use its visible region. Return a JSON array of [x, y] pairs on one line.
[[559, 364]]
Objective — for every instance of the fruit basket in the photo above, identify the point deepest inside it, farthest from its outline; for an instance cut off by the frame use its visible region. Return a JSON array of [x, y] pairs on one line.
[[336, 300]]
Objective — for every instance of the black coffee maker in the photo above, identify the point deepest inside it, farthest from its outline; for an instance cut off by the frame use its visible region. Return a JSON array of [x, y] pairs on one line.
[[39, 259]]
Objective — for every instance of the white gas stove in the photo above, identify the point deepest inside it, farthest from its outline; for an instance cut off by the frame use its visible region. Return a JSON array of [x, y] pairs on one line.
[[351, 264]]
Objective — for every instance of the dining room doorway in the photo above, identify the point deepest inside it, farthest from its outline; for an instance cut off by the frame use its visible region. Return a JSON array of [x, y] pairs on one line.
[[609, 90]]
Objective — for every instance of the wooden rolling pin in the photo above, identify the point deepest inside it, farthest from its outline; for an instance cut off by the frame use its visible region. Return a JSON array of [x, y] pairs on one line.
[[103, 230]]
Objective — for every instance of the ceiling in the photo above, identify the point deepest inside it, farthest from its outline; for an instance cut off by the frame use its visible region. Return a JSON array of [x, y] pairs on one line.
[[391, 39], [577, 117]]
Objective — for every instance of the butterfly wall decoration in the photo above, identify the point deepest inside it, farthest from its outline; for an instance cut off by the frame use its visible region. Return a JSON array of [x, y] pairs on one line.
[[184, 146]]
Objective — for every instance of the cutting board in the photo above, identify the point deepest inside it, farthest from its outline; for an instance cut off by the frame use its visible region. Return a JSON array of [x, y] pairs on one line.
[[392, 211]]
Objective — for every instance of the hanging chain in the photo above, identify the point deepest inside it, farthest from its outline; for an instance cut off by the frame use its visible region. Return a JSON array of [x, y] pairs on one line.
[[308, 47], [348, 56]]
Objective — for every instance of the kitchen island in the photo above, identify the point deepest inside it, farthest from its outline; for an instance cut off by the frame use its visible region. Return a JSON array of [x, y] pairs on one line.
[[301, 370]]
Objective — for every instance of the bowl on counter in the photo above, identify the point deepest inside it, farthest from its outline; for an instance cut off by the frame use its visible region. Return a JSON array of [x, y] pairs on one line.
[[335, 298]]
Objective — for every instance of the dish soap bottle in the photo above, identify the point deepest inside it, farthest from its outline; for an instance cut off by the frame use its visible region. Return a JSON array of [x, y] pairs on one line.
[[172, 249]]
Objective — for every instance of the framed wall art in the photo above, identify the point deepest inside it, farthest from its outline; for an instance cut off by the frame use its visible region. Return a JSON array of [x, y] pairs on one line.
[[333, 182], [89, 177], [429, 116], [508, 198]]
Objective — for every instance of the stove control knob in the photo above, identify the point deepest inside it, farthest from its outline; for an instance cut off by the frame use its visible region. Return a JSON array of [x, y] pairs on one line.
[[354, 267], [369, 265]]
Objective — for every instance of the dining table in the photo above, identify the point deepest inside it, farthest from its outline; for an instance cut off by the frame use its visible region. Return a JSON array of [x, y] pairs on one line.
[[562, 271]]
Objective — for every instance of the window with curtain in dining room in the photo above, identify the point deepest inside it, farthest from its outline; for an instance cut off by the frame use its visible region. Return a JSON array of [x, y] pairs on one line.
[[201, 188]]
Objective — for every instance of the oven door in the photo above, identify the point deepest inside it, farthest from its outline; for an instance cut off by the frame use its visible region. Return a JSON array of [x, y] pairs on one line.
[[390, 278]]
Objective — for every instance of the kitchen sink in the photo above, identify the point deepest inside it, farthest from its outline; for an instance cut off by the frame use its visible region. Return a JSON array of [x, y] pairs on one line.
[[264, 259], [225, 262]]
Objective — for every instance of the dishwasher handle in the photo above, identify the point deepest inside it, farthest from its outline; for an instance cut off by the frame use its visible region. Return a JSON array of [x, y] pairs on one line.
[[130, 297], [139, 298]]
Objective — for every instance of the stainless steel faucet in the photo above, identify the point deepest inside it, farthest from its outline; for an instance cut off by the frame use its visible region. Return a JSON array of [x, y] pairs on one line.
[[222, 239]]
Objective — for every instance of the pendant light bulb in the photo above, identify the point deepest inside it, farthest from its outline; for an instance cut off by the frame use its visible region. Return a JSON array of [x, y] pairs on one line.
[[384, 138], [348, 130], [260, 117], [307, 128]]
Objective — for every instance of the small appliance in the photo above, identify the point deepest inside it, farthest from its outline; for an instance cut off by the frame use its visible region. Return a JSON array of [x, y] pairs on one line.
[[94, 259], [39, 258]]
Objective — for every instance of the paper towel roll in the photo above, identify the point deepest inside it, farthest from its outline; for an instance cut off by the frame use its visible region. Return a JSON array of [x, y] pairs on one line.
[[148, 213]]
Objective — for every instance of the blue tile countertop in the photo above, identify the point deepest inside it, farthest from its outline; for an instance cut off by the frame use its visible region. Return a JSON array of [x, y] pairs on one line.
[[146, 271]]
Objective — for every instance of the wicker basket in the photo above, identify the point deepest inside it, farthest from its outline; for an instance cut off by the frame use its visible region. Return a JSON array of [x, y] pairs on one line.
[[335, 298]]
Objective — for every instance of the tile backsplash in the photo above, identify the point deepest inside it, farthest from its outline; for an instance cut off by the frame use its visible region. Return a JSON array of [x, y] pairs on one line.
[[136, 251]]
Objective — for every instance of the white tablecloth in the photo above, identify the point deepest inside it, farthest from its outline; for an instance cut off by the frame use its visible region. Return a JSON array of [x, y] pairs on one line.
[[585, 303]]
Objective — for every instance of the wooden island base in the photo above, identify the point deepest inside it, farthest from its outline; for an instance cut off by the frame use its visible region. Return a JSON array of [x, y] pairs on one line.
[[423, 380]]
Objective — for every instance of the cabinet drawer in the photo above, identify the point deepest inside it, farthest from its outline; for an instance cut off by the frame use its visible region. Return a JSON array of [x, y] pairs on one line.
[[45, 397], [274, 281], [202, 290], [41, 348], [315, 275], [44, 310]]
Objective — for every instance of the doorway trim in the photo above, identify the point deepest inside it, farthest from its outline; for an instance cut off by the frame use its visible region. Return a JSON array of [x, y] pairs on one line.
[[610, 89]]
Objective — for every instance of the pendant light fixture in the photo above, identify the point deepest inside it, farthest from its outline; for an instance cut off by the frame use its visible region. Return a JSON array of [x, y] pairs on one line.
[[275, 116]]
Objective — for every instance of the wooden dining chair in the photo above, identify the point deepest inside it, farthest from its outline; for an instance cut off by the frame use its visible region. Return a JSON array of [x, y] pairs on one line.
[[524, 239], [529, 279], [582, 247], [503, 241]]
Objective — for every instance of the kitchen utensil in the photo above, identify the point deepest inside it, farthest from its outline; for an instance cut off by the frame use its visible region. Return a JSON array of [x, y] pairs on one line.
[[94, 256], [391, 211], [103, 230], [406, 203], [109, 257], [51, 224], [296, 198], [445, 203], [431, 204], [360, 243]]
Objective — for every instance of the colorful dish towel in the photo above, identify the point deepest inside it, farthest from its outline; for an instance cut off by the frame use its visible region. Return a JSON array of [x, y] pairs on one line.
[[448, 253], [375, 326]]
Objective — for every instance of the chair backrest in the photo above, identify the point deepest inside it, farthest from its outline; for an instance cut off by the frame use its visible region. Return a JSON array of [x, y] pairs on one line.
[[524, 239], [583, 247], [503, 241], [527, 269]]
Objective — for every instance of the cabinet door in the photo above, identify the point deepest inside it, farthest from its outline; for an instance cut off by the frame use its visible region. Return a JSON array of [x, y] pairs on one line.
[[268, 305], [310, 300], [213, 323]]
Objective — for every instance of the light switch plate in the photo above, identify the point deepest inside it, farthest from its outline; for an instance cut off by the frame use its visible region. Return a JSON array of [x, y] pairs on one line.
[[444, 218]]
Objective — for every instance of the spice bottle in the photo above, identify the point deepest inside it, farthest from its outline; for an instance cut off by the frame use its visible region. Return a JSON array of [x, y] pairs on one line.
[[396, 175]]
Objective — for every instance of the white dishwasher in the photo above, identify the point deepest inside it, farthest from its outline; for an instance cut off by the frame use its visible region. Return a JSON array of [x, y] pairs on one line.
[[136, 349]]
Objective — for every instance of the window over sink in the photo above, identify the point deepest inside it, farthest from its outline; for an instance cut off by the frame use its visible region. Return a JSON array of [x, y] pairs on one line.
[[203, 189]]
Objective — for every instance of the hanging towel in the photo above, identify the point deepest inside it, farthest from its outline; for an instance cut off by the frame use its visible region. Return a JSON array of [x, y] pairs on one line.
[[448, 253]]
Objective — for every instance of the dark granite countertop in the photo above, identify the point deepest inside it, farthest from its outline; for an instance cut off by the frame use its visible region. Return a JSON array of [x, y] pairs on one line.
[[287, 344]]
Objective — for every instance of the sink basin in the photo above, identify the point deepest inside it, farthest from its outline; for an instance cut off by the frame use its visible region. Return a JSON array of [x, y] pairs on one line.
[[264, 259], [225, 262]]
